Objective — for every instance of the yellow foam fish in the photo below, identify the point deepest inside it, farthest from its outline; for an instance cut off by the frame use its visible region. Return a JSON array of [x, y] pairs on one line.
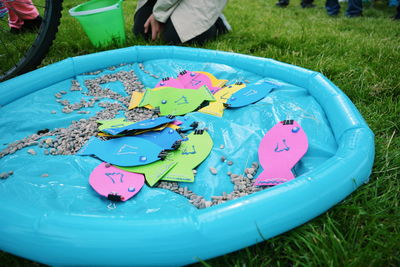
[[214, 81], [217, 108]]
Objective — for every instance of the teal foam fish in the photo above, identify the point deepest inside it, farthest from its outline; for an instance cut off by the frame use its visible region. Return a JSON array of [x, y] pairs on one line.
[[168, 138], [250, 94], [124, 151]]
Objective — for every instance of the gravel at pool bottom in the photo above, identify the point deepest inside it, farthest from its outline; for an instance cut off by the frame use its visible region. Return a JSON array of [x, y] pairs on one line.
[[69, 140]]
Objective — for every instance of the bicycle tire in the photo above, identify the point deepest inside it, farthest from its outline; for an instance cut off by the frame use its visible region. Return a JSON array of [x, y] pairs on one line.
[[41, 44]]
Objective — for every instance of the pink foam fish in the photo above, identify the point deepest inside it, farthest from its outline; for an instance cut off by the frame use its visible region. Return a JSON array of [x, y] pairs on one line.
[[280, 149], [196, 79], [170, 82], [115, 184], [193, 80]]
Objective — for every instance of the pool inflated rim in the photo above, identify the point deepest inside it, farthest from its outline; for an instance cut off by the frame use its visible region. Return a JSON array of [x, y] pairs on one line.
[[56, 238]]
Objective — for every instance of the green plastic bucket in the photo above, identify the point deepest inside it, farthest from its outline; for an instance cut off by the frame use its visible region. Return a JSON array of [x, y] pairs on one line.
[[102, 20]]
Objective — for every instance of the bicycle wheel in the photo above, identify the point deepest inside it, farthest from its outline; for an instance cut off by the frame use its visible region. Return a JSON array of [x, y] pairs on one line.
[[23, 50]]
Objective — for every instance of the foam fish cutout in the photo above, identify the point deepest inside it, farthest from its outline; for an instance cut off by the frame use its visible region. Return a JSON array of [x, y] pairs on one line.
[[186, 123], [123, 151], [168, 138], [176, 101], [136, 98], [280, 149], [197, 79], [179, 164], [189, 155], [170, 82], [185, 80], [160, 128], [114, 123], [193, 80], [250, 94], [141, 125], [115, 184], [217, 108], [153, 172]]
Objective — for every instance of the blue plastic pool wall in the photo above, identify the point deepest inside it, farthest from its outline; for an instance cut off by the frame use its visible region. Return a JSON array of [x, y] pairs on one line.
[[61, 239]]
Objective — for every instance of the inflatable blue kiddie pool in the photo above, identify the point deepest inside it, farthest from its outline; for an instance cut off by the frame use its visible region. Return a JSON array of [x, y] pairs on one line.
[[50, 214]]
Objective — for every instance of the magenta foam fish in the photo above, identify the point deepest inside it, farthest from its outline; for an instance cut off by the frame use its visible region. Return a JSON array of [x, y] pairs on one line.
[[280, 149], [115, 184], [193, 80], [197, 79], [170, 82]]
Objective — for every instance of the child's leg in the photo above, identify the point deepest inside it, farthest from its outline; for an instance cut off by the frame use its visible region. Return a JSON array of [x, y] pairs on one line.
[[3, 10], [141, 17], [19, 11]]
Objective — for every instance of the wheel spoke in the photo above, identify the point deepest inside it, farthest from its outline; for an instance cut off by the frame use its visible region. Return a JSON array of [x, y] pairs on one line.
[[25, 50]]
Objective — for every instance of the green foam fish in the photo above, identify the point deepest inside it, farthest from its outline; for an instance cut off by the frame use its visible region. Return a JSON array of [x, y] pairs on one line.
[[176, 101], [152, 172], [179, 164], [114, 123]]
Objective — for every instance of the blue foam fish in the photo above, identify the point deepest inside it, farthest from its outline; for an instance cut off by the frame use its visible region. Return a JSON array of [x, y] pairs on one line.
[[141, 125], [168, 138], [250, 94], [124, 151], [187, 123]]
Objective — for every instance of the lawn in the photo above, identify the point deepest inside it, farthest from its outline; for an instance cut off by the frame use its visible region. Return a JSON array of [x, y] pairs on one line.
[[362, 57]]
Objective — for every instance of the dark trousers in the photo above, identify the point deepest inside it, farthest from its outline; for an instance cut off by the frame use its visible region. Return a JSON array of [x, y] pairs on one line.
[[397, 16], [354, 8], [303, 2], [170, 36]]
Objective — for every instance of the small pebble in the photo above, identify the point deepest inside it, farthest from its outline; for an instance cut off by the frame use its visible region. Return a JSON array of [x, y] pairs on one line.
[[49, 141], [213, 170], [194, 172], [44, 175], [107, 165], [249, 171], [4, 175], [230, 163], [223, 159], [31, 151], [53, 112], [221, 146], [229, 173]]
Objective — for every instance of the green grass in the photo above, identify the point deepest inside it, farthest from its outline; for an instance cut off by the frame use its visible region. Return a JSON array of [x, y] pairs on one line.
[[362, 57]]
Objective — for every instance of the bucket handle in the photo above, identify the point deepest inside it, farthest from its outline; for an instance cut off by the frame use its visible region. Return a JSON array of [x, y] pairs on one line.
[[73, 13]]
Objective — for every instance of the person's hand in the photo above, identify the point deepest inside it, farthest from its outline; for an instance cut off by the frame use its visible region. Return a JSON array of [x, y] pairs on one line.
[[155, 26]]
